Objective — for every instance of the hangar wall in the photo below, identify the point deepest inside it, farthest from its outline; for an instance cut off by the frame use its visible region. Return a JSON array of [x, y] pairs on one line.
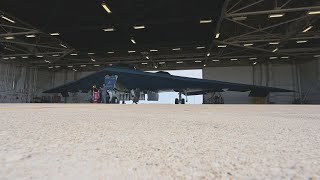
[[304, 78]]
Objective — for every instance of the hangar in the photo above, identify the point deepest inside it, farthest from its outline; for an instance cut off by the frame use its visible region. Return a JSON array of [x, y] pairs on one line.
[[254, 42]]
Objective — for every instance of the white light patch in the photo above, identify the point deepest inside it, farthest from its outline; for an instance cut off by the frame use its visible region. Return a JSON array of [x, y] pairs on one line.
[[108, 29], [205, 21], [253, 58], [249, 44], [176, 49], [31, 36], [138, 27], [104, 5], [276, 15], [301, 42], [179, 62], [55, 34], [201, 47], [9, 37], [215, 60], [222, 46], [8, 19]]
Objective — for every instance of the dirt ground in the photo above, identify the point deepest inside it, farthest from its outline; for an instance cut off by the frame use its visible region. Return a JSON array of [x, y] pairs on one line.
[[86, 141]]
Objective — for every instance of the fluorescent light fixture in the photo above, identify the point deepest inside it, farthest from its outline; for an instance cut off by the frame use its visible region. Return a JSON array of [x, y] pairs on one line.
[[70, 66], [215, 60], [13, 57], [274, 43], [47, 61], [144, 63], [50, 67], [316, 56], [249, 44], [156, 67], [153, 50], [308, 29], [201, 47], [110, 52], [5, 58], [217, 35], [139, 27], [24, 57], [96, 65], [205, 21], [39, 56], [204, 65], [255, 63], [131, 51], [253, 58], [74, 70], [240, 18], [234, 59], [74, 54], [104, 5], [62, 45], [179, 62], [303, 41], [8, 19], [275, 50], [91, 53], [147, 57], [108, 29], [93, 60], [222, 46], [83, 65], [57, 66], [55, 55], [176, 49], [162, 62], [285, 57], [55, 34], [9, 37], [133, 41], [198, 61], [31, 36], [273, 58], [276, 15], [314, 12], [208, 54]]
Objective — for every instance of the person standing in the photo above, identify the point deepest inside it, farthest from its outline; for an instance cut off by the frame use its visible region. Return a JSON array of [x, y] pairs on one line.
[[104, 94]]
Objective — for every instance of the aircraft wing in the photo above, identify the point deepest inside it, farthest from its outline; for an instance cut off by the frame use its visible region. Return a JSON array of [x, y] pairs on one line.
[[161, 81]]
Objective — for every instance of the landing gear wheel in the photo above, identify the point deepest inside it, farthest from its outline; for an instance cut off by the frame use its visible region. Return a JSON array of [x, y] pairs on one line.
[[176, 101], [183, 101], [114, 100]]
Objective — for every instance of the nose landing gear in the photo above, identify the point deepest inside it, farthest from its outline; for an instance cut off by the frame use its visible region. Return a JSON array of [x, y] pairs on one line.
[[180, 100]]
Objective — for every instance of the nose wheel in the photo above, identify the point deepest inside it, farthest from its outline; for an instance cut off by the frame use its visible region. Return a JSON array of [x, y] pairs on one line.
[[180, 100]]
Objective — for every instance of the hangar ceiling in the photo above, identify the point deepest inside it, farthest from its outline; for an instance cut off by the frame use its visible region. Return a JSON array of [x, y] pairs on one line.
[[158, 34]]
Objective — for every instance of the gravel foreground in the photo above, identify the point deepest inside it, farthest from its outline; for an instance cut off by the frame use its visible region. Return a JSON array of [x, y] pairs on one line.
[[45, 141]]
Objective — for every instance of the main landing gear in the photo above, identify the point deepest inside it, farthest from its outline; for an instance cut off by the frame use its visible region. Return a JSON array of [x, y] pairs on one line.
[[180, 100]]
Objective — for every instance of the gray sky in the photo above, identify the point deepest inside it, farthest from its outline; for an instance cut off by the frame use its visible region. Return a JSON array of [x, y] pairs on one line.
[[168, 98]]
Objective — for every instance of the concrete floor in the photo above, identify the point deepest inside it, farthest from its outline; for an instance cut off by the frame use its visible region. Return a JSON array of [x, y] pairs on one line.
[[42, 141]]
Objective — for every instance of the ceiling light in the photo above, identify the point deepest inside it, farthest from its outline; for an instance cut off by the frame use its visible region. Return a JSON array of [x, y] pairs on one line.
[[275, 50], [198, 61], [55, 34], [179, 62], [57, 66], [204, 65], [31, 36], [70, 66], [5, 58], [56, 55], [249, 44], [255, 63], [8, 19], [131, 51], [208, 54], [74, 70], [316, 56], [222, 46], [234, 59], [156, 67], [9, 37], [47, 61], [205, 21], [50, 67], [96, 65], [83, 65], [285, 57], [308, 28], [253, 58], [215, 60], [133, 41], [276, 15], [144, 63], [176, 49], [274, 43], [200, 47], [93, 60], [300, 42], [39, 56], [273, 58], [147, 57], [314, 12], [13, 57], [90, 53], [153, 50], [217, 35], [241, 18], [108, 29], [162, 62], [74, 54], [24, 57], [139, 27], [110, 52], [62, 45], [104, 5]]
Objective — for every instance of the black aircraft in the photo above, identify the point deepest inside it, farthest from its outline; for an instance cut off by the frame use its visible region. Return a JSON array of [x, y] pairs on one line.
[[133, 81]]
